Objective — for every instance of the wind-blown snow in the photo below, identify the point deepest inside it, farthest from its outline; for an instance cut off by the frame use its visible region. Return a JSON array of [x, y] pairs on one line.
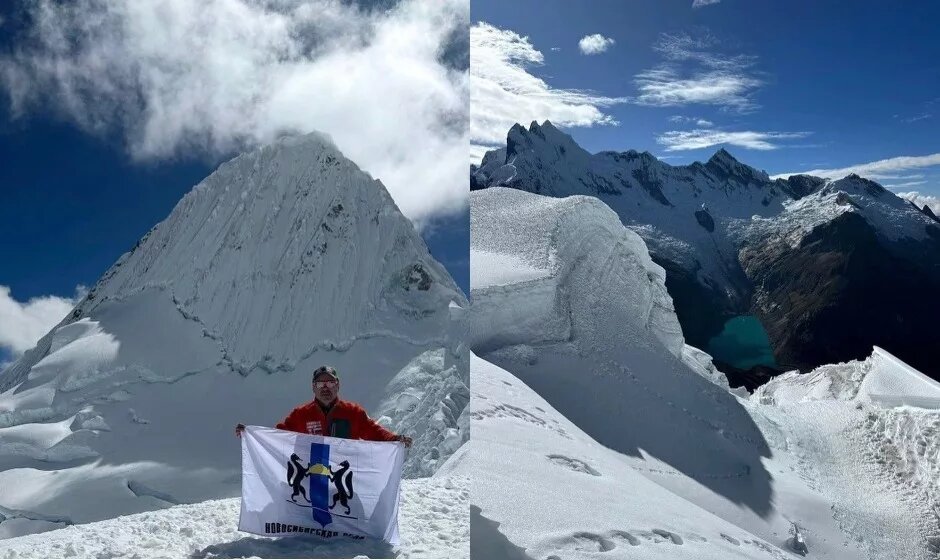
[[282, 260], [598, 430]]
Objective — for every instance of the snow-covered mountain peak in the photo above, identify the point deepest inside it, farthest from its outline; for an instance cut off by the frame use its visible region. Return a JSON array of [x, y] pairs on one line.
[[726, 167], [285, 258], [541, 141], [284, 236]]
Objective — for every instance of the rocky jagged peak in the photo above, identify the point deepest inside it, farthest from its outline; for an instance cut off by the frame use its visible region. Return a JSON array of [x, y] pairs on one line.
[[723, 157], [725, 166], [539, 137], [926, 210]]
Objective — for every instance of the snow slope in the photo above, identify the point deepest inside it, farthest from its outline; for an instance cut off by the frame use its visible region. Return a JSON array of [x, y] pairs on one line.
[[595, 424], [283, 259], [433, 523]]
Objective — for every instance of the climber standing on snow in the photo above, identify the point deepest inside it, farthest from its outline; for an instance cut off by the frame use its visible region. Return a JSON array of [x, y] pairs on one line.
[[328, 415]]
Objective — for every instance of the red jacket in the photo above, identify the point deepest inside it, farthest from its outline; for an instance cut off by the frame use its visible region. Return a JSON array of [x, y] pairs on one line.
[[345, 420]]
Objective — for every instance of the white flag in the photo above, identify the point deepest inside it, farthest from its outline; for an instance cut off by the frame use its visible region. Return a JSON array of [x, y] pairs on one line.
[[298, 484]]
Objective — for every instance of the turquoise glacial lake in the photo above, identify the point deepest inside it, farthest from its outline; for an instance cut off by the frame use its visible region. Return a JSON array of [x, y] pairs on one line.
[[743, 343]]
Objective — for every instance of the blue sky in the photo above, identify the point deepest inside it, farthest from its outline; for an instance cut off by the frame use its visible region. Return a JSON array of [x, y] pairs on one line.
[[101, 135], [784, 86]]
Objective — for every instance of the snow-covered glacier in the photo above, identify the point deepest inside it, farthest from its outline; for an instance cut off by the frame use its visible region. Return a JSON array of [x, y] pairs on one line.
[[283, 259], [596, 429]]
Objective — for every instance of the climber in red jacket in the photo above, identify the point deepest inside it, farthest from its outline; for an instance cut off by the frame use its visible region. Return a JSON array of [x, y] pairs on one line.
[[328, 415]]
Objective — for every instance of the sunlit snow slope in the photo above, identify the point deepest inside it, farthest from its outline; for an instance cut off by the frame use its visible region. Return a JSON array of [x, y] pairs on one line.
[[283, 259], [598, 429]]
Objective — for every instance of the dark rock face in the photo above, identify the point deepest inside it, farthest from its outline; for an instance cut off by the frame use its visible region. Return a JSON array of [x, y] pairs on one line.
[[926, 210], [651, 185], [705, 220], [842, 291], [702, 312], [798, 186]]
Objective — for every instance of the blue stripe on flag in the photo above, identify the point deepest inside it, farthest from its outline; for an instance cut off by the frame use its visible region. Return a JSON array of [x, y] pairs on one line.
[[320, 483]]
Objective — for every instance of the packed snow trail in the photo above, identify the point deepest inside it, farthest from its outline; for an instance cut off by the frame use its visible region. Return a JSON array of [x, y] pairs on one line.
[[434, 523]]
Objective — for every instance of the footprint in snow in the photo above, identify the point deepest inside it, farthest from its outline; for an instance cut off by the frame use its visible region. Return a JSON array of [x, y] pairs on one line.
[[581, 541], [624, 536], [661, 535], [586, 541], [731, 539], [576, 465], [676, 539]]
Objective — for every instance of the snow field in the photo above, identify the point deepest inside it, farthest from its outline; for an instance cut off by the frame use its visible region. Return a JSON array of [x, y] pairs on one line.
[[434, 522]]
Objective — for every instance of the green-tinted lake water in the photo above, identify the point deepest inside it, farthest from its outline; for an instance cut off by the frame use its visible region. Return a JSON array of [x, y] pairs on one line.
[[743, 343]]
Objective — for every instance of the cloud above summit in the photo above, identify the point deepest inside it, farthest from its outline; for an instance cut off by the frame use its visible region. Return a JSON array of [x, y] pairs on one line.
[[504, 91], [174, 78]]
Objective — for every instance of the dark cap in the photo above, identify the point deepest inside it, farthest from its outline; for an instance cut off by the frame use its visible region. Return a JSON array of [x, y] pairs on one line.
[[325, 370]]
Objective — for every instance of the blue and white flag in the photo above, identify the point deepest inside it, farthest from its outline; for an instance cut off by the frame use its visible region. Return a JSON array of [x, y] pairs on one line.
[[298, 484]]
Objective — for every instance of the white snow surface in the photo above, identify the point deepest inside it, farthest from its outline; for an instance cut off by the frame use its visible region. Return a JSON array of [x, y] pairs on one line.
[[881, 378], [284, 259], [433, 522], [597, 430]]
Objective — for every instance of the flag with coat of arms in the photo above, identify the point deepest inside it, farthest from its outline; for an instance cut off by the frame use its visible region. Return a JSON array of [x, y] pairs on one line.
[[298, 484]]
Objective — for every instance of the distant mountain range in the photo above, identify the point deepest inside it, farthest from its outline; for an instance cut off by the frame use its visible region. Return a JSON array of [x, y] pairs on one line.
[[831, 268]]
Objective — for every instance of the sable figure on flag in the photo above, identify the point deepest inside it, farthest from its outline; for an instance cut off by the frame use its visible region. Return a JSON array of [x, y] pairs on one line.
[[342, 479]]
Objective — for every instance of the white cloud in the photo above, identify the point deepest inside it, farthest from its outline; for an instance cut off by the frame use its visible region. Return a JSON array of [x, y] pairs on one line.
[[694, 73], [702, 3], [920, 117], [698, 121], [503, 92], [676, 140], [594, 44], [922, 200], [177, 77], [892, 168], [22, 324], [905, 185]]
